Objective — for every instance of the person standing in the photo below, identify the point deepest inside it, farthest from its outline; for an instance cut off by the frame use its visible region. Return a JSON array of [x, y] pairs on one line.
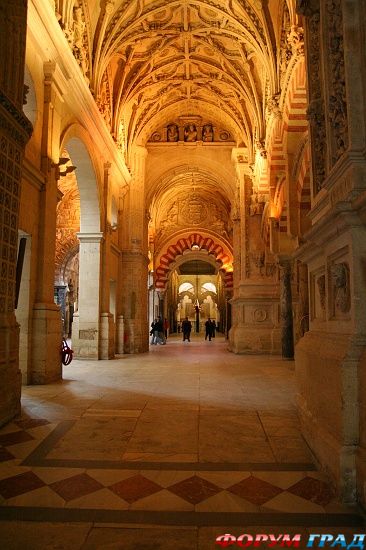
[[213, 328], [208, 327], [186, 329], [166, 328]]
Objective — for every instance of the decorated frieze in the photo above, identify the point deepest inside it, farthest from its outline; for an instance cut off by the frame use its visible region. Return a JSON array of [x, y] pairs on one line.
[[191, 131]]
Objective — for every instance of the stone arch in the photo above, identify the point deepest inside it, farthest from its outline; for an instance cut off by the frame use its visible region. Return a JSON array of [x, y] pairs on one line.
[[86, 324], [166, 259], [78, 144]]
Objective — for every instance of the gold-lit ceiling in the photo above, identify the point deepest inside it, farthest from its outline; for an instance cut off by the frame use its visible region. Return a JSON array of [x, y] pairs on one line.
[[150, 61]]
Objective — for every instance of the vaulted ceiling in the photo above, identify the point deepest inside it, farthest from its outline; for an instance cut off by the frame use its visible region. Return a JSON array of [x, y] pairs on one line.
[[148, 61]]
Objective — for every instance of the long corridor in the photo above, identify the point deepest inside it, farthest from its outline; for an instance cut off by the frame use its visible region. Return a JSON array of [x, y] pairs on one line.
[[169, 449]]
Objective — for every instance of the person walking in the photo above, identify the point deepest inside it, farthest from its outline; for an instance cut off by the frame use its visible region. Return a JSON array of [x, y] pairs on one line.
[[186, 329], [213, 328], [166, 327], [208, 327]]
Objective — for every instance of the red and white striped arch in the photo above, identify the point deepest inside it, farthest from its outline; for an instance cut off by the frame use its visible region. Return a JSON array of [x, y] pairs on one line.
[[217, 249]]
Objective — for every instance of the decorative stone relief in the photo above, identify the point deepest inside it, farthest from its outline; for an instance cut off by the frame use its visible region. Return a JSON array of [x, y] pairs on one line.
[[261, 147], [195, 210], [337, 107], [192, 131], [285, 51], [80, 41], [172, 133], [104, 100], [315, 114], [272, 107], [257, 203], [295, 39], [259, 315], [75, 30], [316, 109], [258, 260], [341, 287], [320, 283]]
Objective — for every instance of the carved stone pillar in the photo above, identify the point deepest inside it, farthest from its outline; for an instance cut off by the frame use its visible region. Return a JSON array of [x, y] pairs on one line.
[[255, 324], [315, 71], [287, 335], [134, 269], [15, 131], [86, 326], [46, 322]]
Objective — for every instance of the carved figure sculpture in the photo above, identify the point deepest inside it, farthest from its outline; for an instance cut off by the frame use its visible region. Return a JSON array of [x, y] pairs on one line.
[[207, 132], [172, 134], [340, 277], [190, 133]]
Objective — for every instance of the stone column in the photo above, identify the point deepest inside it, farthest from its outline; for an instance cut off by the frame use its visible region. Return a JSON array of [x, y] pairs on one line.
[[15, 131], [107, 325], [134, 269], [255, 326], [287, 331], [86, 327], [46, 323]]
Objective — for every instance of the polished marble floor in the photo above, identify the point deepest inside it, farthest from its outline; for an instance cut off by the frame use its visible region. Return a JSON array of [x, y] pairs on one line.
[[164, 450]]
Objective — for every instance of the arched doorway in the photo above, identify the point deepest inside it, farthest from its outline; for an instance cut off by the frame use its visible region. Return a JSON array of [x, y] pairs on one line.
[[78, 266]]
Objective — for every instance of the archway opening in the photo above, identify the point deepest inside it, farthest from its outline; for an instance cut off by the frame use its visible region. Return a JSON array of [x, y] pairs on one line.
[[78, 242]]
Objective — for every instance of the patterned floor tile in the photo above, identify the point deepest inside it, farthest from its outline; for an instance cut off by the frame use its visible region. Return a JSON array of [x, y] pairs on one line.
[[292, 504], [5, 455], [194, 489], [255, 490], [163, 501], [100, 500], [29, 423], [19, 484], [313, 489], [14, 438], [135, 488], [76, 486]]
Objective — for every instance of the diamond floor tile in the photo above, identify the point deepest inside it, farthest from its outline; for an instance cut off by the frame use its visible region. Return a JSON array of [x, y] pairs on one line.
[[313, 489], [29, 423], [194, 489], [20, 484], [76, 486], [134, 488], [5, 455], [255, 490], [14, 438]]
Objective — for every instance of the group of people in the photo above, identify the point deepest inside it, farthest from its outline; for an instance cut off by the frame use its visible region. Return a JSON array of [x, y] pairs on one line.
[[160, 327], [210, 329], [159, 331]]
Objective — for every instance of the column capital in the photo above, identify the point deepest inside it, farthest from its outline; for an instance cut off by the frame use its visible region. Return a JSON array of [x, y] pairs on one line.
[[53, 75], [90, 237]]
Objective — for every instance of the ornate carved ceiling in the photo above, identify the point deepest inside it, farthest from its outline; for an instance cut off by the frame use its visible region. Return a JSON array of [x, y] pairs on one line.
[[190, 199], [150, 61], [210, 56]]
